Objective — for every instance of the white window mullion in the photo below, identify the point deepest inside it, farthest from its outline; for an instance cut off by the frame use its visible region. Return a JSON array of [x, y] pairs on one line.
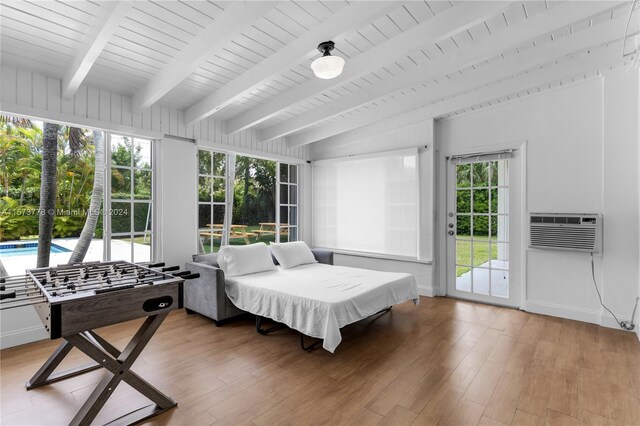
[[228, 196], [106, 200], [277, 201]]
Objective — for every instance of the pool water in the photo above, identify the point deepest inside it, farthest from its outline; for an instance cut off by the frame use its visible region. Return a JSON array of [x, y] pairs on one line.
[[25, 249]]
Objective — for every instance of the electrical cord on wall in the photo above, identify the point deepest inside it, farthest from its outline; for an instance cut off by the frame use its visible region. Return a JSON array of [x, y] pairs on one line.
[[626, 325]]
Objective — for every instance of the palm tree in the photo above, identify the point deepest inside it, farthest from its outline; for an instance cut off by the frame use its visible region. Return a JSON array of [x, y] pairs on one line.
[[16, 121], [14, 149], [48, 192], [93, 215]]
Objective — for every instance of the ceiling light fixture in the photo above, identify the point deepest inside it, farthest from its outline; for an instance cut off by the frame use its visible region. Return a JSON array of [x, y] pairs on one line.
[[327, 66]]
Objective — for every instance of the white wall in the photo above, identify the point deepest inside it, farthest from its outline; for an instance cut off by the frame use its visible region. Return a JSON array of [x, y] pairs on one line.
[[620, 193], [582, 156], [418, 135], [637, 317], [19, 326], [176, 189], [33, 95]]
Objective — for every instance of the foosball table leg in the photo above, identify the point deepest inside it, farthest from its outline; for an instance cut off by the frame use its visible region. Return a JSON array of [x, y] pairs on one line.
[[118, 366], [93, 336], [45, 374]]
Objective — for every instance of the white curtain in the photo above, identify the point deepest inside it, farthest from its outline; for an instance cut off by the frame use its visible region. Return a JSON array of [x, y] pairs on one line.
[[367, 204]]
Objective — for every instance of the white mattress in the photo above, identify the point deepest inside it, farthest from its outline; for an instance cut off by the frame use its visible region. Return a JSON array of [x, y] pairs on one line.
[[319, 299]]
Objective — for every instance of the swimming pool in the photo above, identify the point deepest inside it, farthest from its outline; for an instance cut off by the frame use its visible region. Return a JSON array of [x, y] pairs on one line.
[[25, 249]]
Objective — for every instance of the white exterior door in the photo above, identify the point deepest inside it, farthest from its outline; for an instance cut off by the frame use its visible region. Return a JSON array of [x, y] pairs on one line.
[[482, 221]]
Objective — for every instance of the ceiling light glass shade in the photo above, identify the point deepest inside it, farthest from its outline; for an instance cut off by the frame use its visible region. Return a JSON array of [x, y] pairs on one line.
[[327, 67]]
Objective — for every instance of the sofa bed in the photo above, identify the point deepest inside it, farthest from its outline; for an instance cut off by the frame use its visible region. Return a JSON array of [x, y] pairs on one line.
[[295, 286]]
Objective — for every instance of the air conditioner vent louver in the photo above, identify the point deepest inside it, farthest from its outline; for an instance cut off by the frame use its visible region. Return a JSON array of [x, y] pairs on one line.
[[576, 232]]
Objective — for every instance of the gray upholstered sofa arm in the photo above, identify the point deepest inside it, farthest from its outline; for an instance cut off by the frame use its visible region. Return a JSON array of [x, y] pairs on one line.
[[323, 256], [206, 295]]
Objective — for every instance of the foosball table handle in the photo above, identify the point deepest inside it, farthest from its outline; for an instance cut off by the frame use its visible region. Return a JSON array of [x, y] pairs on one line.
[[181, 273], [9, 295], [190, 276], [170, 268], [155, 265]]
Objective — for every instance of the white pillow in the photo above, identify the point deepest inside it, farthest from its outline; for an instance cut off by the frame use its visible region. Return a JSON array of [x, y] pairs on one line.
[[290, 255], [243, 260]]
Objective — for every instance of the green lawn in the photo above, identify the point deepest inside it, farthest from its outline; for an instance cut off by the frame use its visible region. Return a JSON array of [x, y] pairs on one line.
[[139, 240], [481, 253]]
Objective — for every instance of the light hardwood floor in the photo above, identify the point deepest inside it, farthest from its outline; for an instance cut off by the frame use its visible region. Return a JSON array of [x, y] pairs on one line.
[[442, 362]]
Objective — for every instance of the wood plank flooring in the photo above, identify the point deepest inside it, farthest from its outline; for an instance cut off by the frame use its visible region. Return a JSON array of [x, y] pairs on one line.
[[444, 361]]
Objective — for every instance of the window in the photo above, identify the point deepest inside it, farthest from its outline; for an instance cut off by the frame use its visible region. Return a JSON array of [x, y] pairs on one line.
[[20, 183], [369, 204], [250, 189], [126, 233], [130, 199], [288, 220], [212, 199], [254, 201]]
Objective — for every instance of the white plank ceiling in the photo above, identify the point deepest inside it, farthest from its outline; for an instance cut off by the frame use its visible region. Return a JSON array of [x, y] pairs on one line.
[[246, 63]]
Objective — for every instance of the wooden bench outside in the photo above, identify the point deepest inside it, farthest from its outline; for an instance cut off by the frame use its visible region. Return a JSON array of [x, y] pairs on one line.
[[243, 235]]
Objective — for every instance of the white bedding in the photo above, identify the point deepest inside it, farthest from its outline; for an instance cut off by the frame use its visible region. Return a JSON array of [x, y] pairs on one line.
[[319, 299]]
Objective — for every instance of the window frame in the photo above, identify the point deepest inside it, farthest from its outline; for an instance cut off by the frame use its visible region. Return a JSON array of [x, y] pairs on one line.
[[229, 188], [212, 203], [108, 200], [288, 205]]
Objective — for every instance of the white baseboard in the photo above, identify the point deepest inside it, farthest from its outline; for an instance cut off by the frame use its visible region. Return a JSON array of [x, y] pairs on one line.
[[562, 311], [13, 338], [609, 321], [426, 291], [586, 315]]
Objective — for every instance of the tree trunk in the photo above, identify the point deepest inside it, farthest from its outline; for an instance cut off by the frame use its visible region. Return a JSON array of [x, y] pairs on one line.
[[96, 201], [48, 191], [245, 207], [73, 178]]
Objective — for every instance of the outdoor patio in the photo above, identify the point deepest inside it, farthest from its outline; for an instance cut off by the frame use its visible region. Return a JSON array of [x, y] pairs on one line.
[[120, 249], [495, 272]]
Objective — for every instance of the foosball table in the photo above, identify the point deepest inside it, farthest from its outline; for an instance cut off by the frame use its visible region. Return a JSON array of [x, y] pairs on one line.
[[74, 300]]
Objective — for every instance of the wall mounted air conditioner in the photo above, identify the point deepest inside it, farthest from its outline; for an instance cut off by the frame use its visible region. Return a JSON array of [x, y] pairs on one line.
[[566, 231]]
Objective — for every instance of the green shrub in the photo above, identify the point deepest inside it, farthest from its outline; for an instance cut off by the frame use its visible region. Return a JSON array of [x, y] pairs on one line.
[[15, 221], [67, 226], [480, 206]]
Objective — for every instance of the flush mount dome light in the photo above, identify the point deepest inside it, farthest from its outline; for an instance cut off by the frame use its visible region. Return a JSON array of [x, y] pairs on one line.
[[327, 66]]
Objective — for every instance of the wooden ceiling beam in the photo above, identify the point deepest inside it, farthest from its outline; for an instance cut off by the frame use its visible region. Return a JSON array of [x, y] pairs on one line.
[[510, 37], [235, 19], [350, 18], [526, 61], [450, 22], [105, 23], [579, 66]]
